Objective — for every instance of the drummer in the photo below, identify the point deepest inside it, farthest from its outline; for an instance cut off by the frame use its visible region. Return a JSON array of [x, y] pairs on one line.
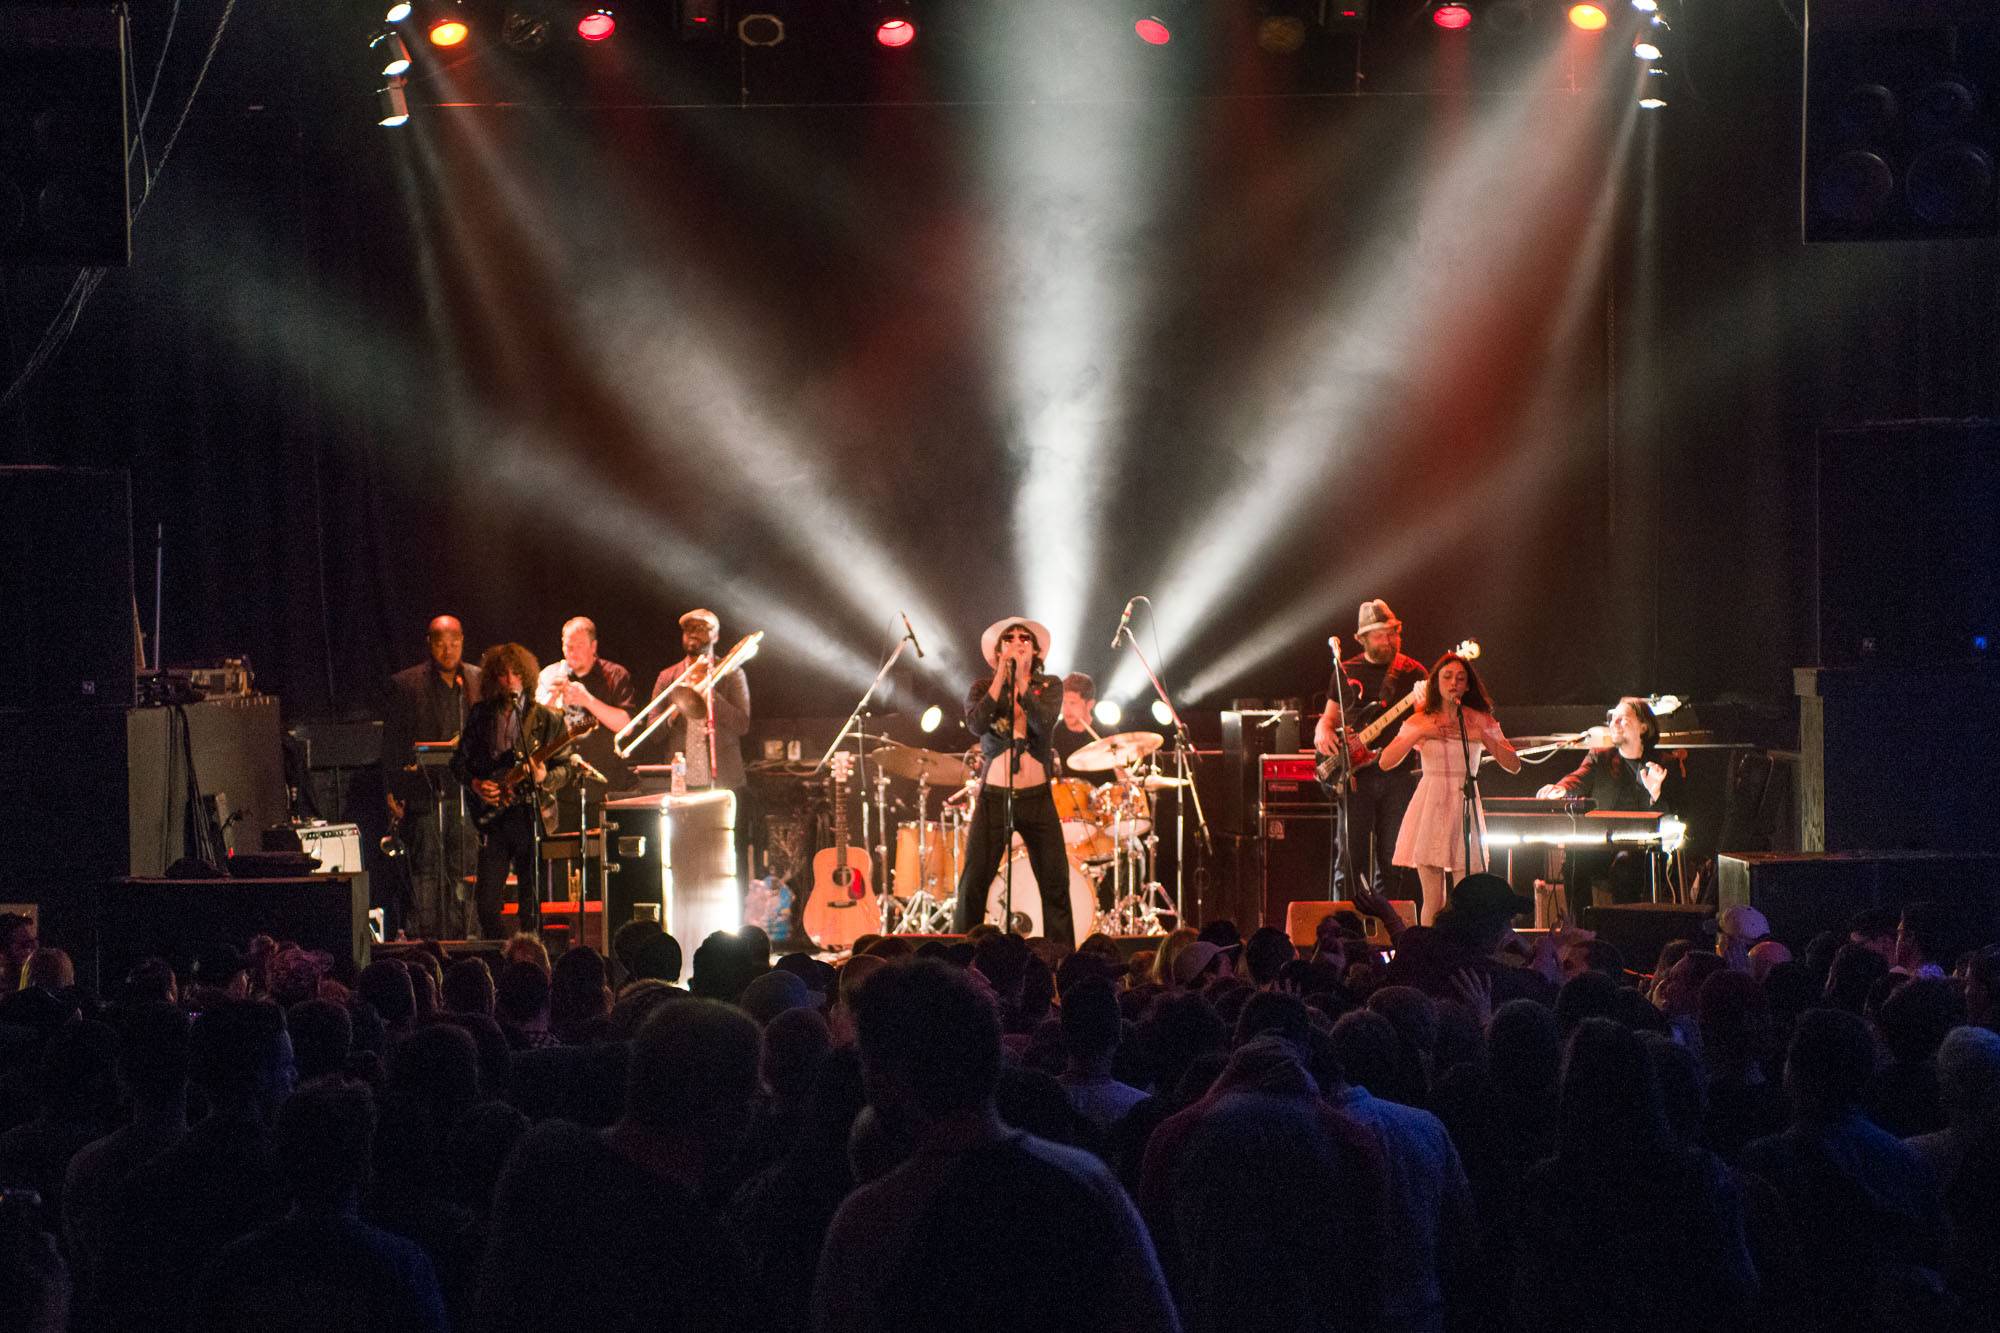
[[1073, 729], [1014, 713]]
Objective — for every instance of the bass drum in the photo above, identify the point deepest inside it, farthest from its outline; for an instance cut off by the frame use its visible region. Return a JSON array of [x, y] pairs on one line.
[[1028, 897]]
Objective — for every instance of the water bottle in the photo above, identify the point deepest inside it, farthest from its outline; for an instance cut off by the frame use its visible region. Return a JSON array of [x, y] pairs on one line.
[[680, 787]]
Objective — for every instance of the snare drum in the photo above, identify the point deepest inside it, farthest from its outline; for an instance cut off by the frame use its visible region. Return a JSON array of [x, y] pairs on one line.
[[1123, 810], [939, 869], [1028, 896], [1072, 797]]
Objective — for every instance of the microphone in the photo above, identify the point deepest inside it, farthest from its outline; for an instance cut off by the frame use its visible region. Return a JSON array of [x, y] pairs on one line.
[[1124, 619], [911, 631], [585, 767], [1333, 642]]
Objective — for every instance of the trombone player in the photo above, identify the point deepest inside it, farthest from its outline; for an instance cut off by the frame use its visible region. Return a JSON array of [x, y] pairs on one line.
[[708, 726]]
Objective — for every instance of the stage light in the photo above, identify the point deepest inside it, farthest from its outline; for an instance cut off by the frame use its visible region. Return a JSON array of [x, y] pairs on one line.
[[1161, 713], [1590, 18], [760, 29], [449, 32], [596, 26], [894, 33], [1644, 49], [394, 54], [932, 719], [1652, 103], [1107, 713], [1152, 32], [397, 12], [1451, 17], [1646, 6], [394, 104], [525, 28]]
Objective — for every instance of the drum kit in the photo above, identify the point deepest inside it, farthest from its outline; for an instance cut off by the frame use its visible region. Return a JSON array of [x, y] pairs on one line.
[[1107, 832]]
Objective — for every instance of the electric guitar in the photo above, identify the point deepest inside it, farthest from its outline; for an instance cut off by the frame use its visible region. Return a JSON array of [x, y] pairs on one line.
[[517, 784], [1329, 767], [841, 907]]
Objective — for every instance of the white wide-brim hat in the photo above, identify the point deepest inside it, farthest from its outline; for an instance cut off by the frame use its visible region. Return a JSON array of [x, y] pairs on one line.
[[989, 642]]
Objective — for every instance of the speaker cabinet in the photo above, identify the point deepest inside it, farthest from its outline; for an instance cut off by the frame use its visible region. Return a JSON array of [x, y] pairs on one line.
[[66, 609], [1298, 862], [1640, 930], [1802, 894]]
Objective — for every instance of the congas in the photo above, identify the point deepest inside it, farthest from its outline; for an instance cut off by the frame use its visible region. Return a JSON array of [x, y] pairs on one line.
[[942, 859], [1072, 798], [1123, 810], [1028, 897]]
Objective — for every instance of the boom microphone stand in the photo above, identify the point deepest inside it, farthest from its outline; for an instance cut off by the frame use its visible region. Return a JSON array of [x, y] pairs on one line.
[[860, 711], [1469, 812], [1183, 769]]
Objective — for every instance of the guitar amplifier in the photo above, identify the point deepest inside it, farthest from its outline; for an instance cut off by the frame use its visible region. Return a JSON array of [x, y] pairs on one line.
[[338, 847], [1287, 782]]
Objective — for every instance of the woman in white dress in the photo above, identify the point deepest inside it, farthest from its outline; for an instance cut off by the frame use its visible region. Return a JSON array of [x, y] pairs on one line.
[[1450, 730]]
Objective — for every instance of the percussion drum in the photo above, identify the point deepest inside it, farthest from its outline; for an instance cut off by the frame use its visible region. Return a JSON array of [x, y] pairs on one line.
[[943, 859], [1123, 809], [1028, 897], [1086, 840]]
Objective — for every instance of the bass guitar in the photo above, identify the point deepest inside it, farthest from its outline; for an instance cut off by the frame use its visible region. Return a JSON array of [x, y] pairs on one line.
[[516, 783], [1330, 766], [841, 907]]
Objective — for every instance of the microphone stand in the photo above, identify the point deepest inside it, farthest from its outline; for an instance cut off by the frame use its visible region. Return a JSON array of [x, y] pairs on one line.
[[1343, 781], [1469, 809], [860, 735], [1007, 805], [1183, 770]]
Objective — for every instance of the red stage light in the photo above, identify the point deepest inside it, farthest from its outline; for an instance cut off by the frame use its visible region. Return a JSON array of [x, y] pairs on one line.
[[1590, 18], [596, 25], [448, 32], [896, 32], [1152, 32], [1452, 17]]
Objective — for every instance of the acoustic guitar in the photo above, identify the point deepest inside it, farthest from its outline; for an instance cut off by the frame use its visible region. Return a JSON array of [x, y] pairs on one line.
[[841, 907]]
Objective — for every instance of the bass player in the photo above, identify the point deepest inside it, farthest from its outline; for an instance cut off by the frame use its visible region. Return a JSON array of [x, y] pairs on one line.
[[1378, 677], [504, 728]]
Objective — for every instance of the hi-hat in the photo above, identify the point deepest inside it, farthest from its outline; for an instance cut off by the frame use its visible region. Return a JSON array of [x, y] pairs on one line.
[[1121, 751]]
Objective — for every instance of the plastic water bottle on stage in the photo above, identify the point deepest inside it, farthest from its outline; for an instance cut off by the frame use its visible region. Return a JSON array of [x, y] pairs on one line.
[[680, 787]]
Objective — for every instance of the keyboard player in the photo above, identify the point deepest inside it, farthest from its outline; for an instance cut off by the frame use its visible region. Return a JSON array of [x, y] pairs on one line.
[[1623, 775]]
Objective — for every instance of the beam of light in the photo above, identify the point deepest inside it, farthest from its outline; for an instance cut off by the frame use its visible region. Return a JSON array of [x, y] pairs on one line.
[[1518, 480], [1067, 287], [1345, 363], [692, 395]]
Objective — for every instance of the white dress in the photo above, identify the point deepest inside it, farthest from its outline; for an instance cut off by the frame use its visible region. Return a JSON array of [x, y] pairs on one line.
[[1433, 831]]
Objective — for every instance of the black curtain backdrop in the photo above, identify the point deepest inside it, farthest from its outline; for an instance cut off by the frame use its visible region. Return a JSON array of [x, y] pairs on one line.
[[519, 364]]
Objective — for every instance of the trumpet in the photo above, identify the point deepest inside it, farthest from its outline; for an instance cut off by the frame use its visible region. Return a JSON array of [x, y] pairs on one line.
[[712, 671]]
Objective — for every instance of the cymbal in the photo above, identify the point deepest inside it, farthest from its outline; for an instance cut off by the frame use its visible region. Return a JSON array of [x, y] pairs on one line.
[[1120, 751], [907, 761]]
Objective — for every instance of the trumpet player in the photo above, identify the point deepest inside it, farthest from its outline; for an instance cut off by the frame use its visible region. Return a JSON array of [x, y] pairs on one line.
[[710, 737]]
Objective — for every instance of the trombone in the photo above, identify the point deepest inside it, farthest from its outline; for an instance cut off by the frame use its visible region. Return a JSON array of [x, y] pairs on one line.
[[704, 686]]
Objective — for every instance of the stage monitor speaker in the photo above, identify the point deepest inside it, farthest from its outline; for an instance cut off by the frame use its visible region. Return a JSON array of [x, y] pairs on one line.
[[1640, 930], [1802, 894], [66, 608], [1298, 856], [175, 918]]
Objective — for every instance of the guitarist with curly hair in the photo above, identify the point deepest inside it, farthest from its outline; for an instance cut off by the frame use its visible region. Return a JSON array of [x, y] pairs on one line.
[[510, 755]]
